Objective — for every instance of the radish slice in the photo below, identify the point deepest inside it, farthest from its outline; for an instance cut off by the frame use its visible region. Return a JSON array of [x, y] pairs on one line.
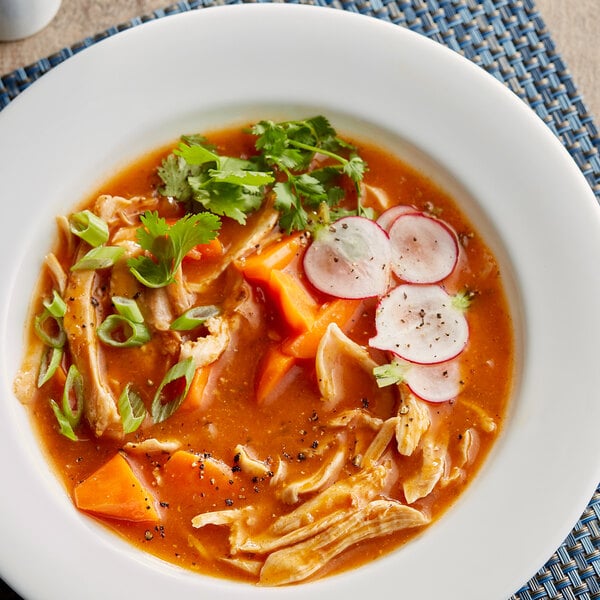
[[350, 259], [387, 218], [435, 383], [424, 249], [420, 323]]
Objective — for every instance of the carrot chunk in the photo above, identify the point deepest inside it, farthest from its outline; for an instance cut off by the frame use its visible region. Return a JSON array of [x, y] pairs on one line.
[[275, 366], [339, 311], [195, 396], [115, 491], [212, 249], [279, 255], [200, 474], [297, 305]]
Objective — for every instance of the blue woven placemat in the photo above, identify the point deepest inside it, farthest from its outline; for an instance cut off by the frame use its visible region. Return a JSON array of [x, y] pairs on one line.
[[509, 39]]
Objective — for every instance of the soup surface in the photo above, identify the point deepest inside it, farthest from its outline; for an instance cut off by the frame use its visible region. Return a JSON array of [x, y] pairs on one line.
[[269, 354]]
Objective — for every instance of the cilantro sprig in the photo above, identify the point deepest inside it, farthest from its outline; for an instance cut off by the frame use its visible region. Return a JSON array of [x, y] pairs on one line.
[[168, 244], [304, 194], [290, 148], [223, 185]]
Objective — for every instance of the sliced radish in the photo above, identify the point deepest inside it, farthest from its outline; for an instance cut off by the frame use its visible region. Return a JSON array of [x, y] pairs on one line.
[[420, 323], [424, 249], [350, 259], [435, 383], [387, 217]]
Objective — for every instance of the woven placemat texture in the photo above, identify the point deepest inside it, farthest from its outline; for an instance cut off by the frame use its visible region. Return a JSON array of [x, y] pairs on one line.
[[509, 39]]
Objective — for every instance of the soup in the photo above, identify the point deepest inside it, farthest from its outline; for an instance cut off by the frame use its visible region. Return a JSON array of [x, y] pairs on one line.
[[268, 354]]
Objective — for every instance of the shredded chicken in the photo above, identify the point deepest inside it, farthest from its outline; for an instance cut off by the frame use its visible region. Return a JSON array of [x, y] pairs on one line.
[[152, 446], [355, 490], [59, 277], [334, 352], [80, 323], [250, 465], [290, 494], [432, 468], [206, 350], [414, 420], [380, 442], [263, 224], [116, 210], [356, 417], [300, 561]]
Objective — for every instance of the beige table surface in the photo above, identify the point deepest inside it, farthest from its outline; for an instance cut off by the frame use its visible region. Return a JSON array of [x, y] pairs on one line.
[[574, 25]]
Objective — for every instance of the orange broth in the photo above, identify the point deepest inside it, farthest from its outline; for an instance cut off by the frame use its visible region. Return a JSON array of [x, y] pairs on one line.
[[292, 425]]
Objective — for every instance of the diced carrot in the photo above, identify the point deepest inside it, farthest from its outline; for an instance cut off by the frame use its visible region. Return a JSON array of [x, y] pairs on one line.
[[339, 311], [279, 255], [200, 474], [275, 366], [212, 249], [115, 491], [195, 396], [297, 305]]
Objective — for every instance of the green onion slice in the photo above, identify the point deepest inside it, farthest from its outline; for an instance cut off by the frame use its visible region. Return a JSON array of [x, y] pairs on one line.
[[72, 400], [137, 333], [50, 329], [128, 308], [99, 258], [65, 427], [57, 306], [131, 409], [194, 317], [184, 370], [89, 227], [49, 363]]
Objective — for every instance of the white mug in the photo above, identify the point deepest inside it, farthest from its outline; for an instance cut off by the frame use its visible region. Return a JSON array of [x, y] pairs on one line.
[[22, 18]]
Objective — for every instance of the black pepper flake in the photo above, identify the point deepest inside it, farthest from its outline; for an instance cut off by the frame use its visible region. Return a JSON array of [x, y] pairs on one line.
[[148, 535], [228, 501], [301, 456]]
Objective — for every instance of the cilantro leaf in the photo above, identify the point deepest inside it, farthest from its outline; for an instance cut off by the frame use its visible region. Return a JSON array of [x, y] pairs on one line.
[[168, 244]]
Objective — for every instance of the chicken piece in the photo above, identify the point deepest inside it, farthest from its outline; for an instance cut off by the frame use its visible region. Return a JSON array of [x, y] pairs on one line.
[[206, 350], [57, 273], [356, 417], [329, 472], [250, 465], [266, 542], [355, 490], [432, 469], [259, 227], [378, 518], [116, 210], [152, 446], [80, 323], [381, 441], [180, 295], [414, 420], [336, 351]]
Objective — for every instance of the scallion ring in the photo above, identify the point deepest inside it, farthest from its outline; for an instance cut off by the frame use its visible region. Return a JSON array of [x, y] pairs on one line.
[[50, 329], [128, 308], [89, 227], [163, 408], [99, 258], [56, 307], [194, 317], [65, 427], [72, 400], [137, 334], [131, 409], [50, 362]]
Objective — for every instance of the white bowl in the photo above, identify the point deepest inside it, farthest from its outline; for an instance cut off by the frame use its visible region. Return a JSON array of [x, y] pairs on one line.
[[218, 66]]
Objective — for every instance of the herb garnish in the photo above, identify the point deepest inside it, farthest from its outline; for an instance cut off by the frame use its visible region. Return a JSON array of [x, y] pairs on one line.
[[304, 194], [168, 244]]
